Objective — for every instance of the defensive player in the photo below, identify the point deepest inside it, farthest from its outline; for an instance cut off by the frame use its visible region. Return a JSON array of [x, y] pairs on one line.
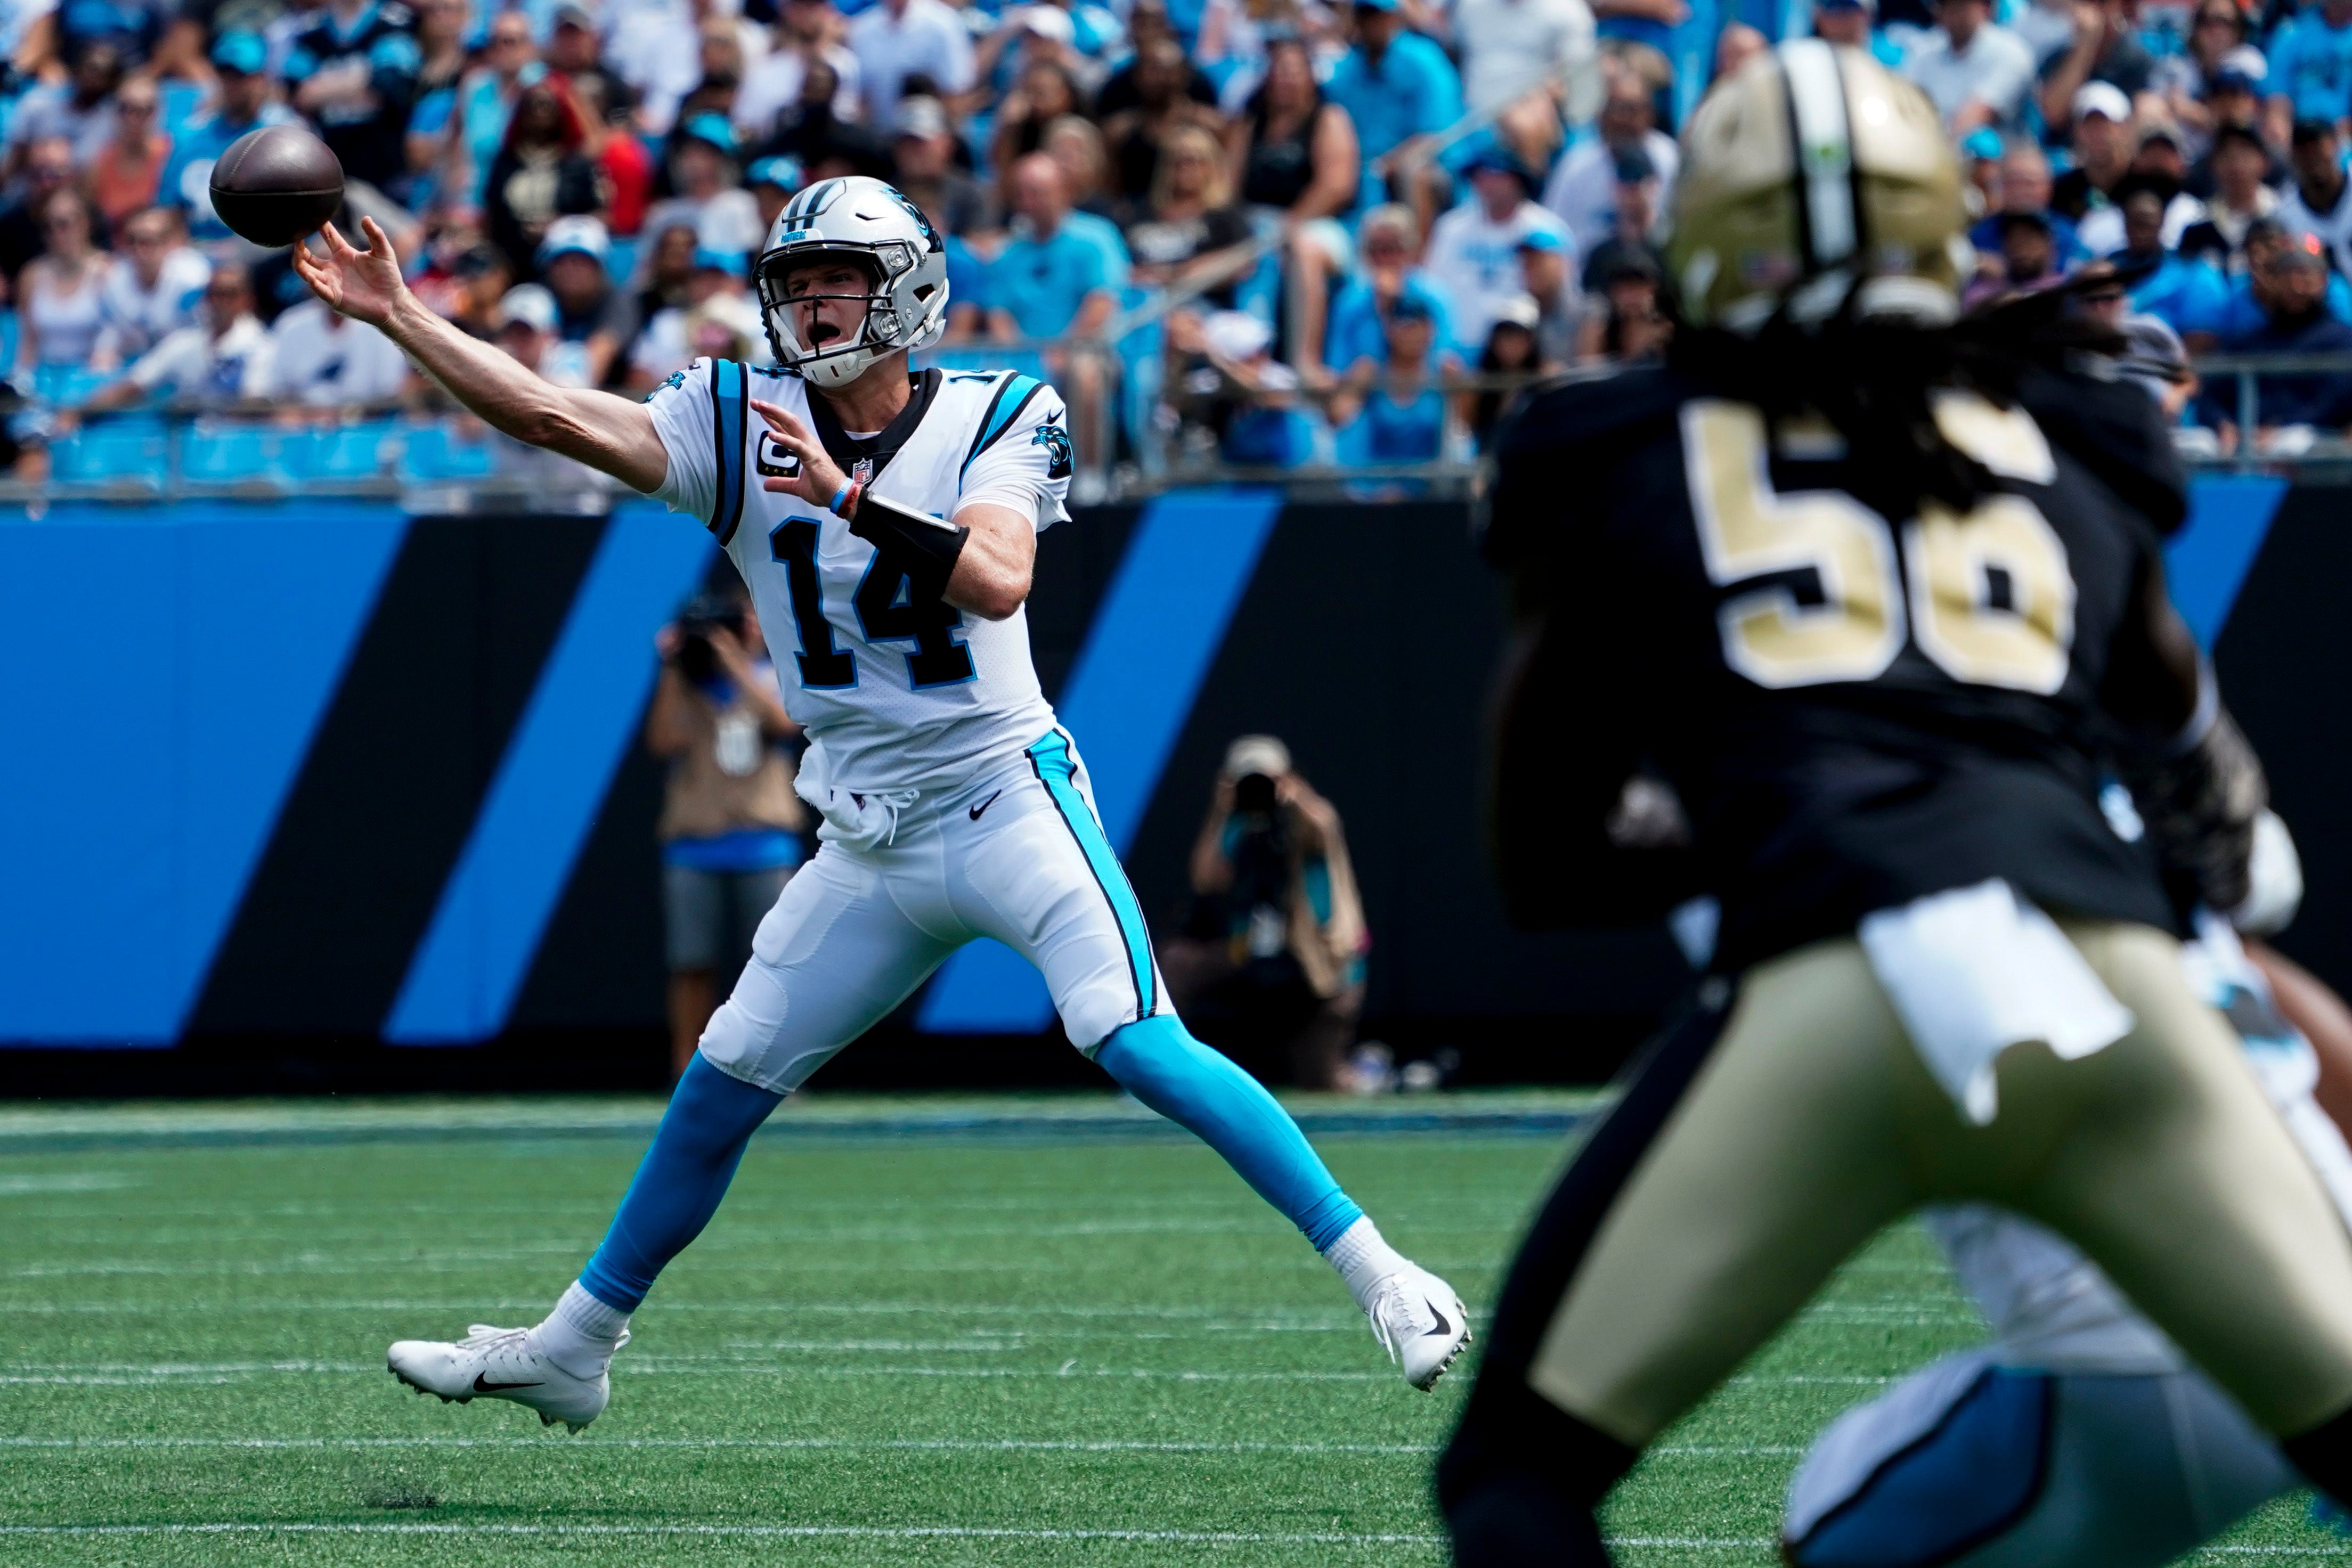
[[890, 520], [1873, 593]]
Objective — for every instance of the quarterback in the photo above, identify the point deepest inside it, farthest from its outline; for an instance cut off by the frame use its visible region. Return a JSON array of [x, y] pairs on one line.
[[1879, 591], [888, 518]]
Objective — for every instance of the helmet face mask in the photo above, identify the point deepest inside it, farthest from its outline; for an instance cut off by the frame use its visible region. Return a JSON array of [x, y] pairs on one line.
[[868, 224]]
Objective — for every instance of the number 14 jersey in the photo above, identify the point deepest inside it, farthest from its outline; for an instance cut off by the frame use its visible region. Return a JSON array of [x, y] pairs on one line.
[[897, 689]]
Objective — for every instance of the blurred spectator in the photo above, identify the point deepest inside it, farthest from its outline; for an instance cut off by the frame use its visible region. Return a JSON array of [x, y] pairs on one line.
[[220, 363], [1512, 47], [1270, 963], [129, 28], [2233, 97], [479, 279], [665, 267], [2216, 46], [543, 173], [776, 83], [897, 39], [721, 59], [923, 152], [717, 320], [2157, 166], [1632, 241], [2241, 314], [1135, 137], [1474, 250], [1227, 381], [353, 73], [1398, 414], [1512, 350], [2027, 256], [1547, 268], [440, 71], [2239, 198], [486, 100], [575, 52], [1190, 228], [2291, 289], [2181, 293], [1147, 22], [2106, 48], [593, 318], [730, 824], [2155, 360], [1399, 89], [241, 104], [1630, 323], [2311, 68], [2103, 150], [524, 324], [80, 110], [123, 179], [2025, 187], [2315, 204], [61, 308], [703, 172], [321, 359], [1848, 23], [1390, 243], [156, 287], [1042, 93], [1076, 148], [1048, 280], [1649, 24], [1974, 71], [1582, 189], [1296, 164]]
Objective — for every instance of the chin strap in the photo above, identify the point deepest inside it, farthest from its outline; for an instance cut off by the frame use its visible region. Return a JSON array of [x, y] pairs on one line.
[[925, 543]]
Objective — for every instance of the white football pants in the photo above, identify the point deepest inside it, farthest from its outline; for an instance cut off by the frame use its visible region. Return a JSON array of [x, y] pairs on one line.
[[1018, 855]]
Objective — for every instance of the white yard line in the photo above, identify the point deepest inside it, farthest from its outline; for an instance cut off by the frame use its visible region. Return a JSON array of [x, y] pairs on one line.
[[909, 1445]]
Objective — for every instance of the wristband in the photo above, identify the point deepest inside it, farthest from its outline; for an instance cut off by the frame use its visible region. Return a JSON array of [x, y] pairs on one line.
[[844, 497]]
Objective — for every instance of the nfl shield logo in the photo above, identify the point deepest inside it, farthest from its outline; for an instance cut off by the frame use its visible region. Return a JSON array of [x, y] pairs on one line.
[[862, 470]]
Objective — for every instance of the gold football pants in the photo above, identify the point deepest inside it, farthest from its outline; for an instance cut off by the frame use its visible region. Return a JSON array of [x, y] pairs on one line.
[[1811, 1122]]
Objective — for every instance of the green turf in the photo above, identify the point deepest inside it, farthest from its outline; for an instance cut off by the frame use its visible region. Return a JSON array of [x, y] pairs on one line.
[[1096, 1350]]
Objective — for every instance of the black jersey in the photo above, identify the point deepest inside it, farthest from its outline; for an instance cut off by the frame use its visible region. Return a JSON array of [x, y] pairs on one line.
[[368, 136], [1858, 705]]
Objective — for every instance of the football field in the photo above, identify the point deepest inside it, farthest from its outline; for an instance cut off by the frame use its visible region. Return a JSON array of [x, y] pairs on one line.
[[1028, 1331]]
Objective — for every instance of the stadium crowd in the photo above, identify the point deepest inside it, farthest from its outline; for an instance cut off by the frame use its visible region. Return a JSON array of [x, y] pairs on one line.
[[1318, 232]]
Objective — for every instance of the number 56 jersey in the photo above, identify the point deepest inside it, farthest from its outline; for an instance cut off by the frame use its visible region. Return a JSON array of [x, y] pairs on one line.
[[897, 689], [1861, 700]]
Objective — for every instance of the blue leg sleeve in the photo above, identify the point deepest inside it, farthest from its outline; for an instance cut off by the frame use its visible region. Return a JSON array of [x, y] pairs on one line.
[[677, 1187], [1160, 1062]]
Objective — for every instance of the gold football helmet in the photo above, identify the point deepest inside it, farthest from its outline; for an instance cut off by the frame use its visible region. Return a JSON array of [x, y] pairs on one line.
[[1811, 172]]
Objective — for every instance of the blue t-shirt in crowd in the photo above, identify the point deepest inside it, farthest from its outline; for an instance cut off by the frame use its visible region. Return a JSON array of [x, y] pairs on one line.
[[2323, 399], [1268, 438], [2183, 294], [2311, 63], [967, 276], [1388, 431], [1985, 236], [2235, 316], [1041, 283], [1354, 331], [1412, 91]]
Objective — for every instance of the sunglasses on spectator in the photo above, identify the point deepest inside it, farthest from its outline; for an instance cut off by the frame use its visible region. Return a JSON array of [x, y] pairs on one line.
[[64, 221]]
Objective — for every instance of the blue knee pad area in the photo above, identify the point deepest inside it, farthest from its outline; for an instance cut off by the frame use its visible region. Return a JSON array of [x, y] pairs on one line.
[[1972, 1476], [678, 1184], [1160, 1062]]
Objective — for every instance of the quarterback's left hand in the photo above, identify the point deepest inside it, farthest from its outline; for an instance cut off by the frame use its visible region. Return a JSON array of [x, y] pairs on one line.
[[820, 478]]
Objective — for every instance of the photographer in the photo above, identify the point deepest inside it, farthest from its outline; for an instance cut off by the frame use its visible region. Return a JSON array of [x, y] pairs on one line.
[[730, 824], [1271, 961]]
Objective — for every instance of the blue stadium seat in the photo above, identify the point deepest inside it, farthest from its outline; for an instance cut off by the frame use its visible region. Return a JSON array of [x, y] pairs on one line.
[[361, 450], [111, 451], [233, 455], [432, 452], [68, 386]]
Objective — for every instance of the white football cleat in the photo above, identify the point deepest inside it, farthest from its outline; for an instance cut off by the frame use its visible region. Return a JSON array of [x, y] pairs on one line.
[[499, 1363], [1420, 1321]]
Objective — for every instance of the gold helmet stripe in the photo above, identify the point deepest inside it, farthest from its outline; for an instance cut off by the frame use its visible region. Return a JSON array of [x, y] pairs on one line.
[[1829, 214]]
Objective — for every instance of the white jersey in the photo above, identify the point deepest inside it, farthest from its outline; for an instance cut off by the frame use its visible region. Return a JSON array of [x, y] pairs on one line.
[[898, 694], [2053, 1309]]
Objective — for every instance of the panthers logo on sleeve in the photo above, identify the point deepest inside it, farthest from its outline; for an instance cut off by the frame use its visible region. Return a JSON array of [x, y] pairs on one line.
[[1056, 443]]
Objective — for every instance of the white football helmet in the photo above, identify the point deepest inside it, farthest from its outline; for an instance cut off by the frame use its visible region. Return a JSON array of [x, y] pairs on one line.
[[904, 259]]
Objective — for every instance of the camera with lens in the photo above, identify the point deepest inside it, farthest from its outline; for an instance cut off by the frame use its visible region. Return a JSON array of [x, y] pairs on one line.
[[1253, 795], [694, 658]]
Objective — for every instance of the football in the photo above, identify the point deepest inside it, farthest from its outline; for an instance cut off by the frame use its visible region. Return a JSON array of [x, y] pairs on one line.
[[276, 185]]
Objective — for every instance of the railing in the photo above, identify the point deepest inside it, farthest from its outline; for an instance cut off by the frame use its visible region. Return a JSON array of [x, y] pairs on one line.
[[440, 461]]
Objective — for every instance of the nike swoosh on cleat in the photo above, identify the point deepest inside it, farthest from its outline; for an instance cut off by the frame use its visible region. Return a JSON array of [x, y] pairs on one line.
[[481, 1387], [1443, 1326], [985, 805]]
